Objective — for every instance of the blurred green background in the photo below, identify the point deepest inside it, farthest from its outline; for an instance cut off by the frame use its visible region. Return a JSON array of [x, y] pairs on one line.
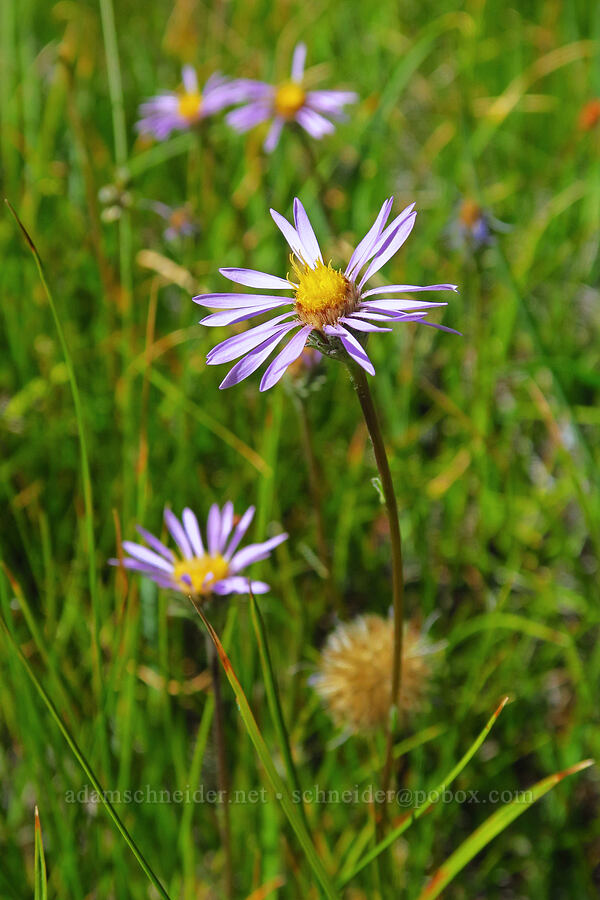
[[492, 437]]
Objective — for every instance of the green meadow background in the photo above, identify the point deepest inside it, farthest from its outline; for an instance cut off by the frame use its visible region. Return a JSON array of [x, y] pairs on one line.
[[492, 437]]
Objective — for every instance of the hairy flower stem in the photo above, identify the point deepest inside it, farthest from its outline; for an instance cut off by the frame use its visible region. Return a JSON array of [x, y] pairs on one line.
[[361, 385]]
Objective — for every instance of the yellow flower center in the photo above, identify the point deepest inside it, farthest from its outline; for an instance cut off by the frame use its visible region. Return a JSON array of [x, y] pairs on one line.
[[189, 106], [323, 294], [289, 98], [203, 571]]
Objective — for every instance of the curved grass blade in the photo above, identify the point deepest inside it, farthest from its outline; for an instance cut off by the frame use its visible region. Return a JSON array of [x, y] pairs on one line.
[[277, 784], [273, 698], [78, 754], [41, 883], [496, 823], [85, 476], [432, 798]]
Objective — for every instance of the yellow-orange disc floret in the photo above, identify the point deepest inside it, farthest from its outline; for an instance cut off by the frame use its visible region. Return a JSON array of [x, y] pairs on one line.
[[197, 570], [355, 672], [323, 294], [190, 105], [289, 98]]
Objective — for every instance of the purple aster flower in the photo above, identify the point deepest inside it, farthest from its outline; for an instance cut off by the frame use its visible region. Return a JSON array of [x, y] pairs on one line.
[[289, 102], [332, 306], [214, 569], [172, 111]]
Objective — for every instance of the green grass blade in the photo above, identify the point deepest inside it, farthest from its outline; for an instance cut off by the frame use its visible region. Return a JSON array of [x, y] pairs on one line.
[[277, 784], [432, 798], [273, 698], [41, 884], [85, 475], [492, 827], [78, 754]]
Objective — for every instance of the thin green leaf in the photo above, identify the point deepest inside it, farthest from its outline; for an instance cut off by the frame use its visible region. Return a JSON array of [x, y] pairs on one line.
[[78, 754], [41, 884], [85, 474], [277, 784], [273, 697], [492, 827], [432, 798]]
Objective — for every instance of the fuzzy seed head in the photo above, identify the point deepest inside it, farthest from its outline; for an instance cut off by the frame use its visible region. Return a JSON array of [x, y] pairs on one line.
[[355, 672]]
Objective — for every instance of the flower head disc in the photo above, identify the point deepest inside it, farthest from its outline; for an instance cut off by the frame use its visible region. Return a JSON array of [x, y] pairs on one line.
[[289, 99], [323, 294], [200, 573], [190, 106]]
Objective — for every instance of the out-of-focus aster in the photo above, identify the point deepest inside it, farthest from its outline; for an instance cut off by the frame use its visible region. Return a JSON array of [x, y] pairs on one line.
[[289, 101], [473, 227], [330, 305], [179, 219], [181, 110], [354, 676], [198, 569]]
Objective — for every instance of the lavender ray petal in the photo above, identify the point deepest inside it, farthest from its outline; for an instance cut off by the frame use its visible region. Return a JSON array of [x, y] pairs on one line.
[[192, 528], [386, 252], [155, 543], [178, 533], [306, 233], [255, 552], [330, 102], [361, 253], [226, 525], [239, 344], [408, 289], [254, 278], [213, 529], [246, 117], [290, 234], [190, 79], [237, 301], [298, 61], [147, 556], [240, 530], [285, 358], [399, 304], [272, 138], [254, 359], [231, 317], [237, 584], [314, 123], [353, 347], [360, 325], [442, 328], [385, 238]]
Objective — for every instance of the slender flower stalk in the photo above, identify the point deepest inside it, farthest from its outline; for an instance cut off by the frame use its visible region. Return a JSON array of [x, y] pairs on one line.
[[365, 398]]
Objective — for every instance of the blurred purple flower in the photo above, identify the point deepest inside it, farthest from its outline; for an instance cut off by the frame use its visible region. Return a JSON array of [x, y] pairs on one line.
[[180, 111], [473, 227], [289, 102], [202, 571], [329, 304], [180, 222]]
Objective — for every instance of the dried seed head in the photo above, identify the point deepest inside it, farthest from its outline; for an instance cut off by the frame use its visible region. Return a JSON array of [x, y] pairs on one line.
[[355, 671]]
